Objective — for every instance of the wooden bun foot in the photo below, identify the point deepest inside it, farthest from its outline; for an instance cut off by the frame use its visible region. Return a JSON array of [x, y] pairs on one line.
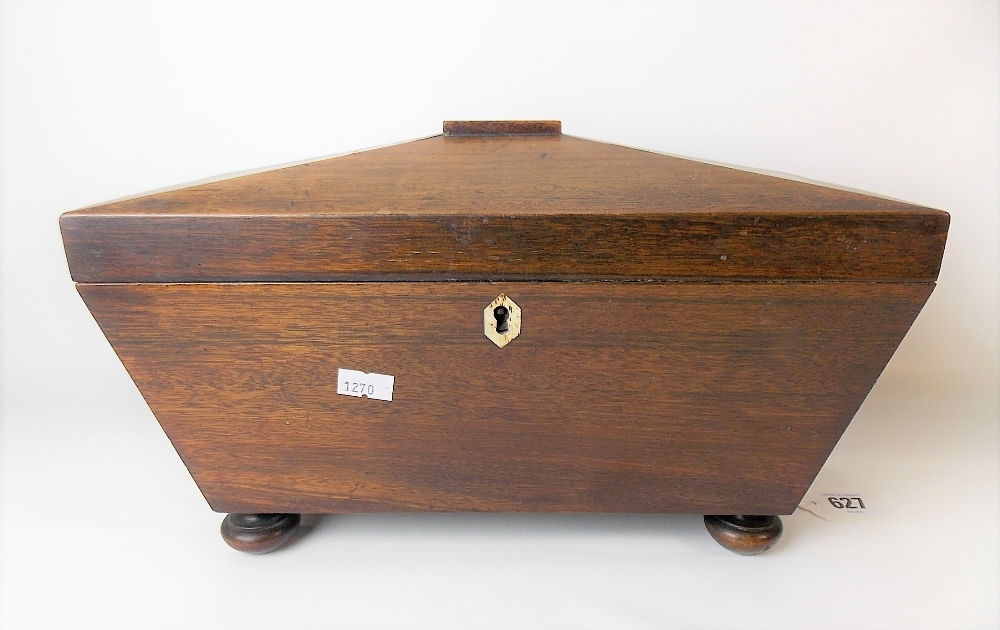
[[745, 535], [259, 533]]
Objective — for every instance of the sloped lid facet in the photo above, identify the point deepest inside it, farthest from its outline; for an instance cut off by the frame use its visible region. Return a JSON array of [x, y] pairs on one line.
[[535, 205]]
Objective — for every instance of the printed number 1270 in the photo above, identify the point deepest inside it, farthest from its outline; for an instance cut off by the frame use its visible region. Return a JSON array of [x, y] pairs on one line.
[[359, 388]]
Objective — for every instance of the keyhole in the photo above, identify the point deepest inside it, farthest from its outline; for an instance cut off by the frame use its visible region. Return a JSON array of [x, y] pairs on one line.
[[501, 314]]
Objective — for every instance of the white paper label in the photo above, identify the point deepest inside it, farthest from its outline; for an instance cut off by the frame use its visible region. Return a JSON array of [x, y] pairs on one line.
[[355, 383], [846, 506]]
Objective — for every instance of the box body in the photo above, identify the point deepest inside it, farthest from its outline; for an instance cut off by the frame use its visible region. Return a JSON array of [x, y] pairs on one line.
[[694, 339]]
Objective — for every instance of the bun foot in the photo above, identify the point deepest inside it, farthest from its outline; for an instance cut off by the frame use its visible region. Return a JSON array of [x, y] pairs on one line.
[[745, 535], [259, 533]]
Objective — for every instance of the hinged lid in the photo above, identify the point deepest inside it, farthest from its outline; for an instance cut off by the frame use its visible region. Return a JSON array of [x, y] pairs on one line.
[[504, 201]]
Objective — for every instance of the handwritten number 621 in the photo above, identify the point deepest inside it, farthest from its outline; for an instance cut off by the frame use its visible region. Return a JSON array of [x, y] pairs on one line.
[[847, 503]]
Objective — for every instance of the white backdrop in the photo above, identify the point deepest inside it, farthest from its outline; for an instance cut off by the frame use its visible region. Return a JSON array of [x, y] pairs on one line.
[[100, 525]]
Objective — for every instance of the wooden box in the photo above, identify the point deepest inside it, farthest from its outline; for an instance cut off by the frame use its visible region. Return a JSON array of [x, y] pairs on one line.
[[692, 338]]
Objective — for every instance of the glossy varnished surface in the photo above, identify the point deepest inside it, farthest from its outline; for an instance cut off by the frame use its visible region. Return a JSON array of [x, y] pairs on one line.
[[617, 397], [504, 208], [259, 533], [745, 535]]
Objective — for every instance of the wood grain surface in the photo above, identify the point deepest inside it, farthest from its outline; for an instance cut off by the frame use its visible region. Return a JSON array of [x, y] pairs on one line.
[[707, 398], [881, 247], [549, 207]]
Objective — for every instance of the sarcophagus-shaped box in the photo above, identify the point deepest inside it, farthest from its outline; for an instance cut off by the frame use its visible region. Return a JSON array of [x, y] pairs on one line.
[[505, 318]]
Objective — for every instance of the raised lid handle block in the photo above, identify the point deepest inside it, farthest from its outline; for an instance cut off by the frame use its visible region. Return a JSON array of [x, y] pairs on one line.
[[502, 127]]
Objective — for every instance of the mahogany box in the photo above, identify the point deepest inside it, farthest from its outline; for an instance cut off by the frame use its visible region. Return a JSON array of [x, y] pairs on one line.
[[503, 318]]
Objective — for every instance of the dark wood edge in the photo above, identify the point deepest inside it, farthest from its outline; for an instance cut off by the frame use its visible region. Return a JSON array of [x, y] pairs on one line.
[[502, 127]]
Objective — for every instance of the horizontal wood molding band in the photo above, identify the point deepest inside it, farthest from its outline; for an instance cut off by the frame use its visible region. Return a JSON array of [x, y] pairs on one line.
[[720, 398], [893, 246]]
